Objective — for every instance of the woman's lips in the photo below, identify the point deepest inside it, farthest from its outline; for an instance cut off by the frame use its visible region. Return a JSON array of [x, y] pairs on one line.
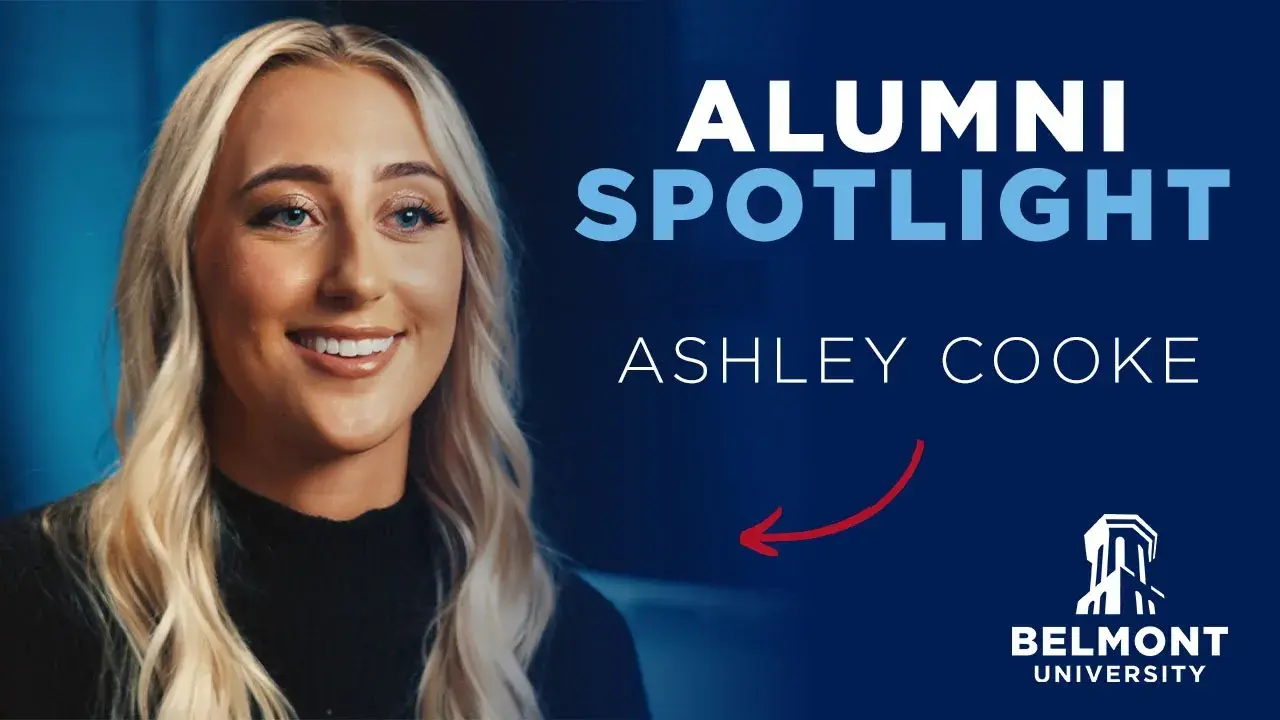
[[349, 363]]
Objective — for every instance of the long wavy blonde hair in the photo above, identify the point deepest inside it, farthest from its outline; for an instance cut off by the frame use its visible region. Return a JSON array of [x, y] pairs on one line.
[[147, 537]]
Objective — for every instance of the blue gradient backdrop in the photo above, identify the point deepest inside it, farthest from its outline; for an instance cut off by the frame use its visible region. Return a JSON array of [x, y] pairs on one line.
[[910, 613]]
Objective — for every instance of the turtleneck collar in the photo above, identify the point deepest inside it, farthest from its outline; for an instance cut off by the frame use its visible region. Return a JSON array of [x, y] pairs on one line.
[[244, 504], [271, 545]]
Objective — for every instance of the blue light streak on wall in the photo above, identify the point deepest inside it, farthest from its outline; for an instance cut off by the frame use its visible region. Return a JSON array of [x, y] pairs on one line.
[[85, 86]]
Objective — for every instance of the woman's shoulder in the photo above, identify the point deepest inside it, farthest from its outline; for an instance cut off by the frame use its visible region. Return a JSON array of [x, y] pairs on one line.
[[38, 590], [587, 664], [48, 649], [583, 612], [26, 556], [30, 558]]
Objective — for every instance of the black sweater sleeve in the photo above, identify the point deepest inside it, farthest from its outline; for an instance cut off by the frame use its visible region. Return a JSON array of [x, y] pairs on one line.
[[587, 665]]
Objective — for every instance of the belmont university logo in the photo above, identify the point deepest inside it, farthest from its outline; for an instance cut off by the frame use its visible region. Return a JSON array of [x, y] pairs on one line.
[[1121, 553], [1119, 548]]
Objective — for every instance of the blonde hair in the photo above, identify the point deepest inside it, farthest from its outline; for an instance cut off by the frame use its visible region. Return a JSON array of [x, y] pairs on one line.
[[149, 533]]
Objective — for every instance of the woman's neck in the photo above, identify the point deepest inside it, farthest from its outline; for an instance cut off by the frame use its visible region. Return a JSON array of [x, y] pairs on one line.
[[335, 485]]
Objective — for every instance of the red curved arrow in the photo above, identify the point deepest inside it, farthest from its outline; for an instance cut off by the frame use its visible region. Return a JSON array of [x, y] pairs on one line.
[[757, 538]]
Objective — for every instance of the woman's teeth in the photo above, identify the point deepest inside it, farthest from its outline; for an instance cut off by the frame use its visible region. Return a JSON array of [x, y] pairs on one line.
[[345, 348]]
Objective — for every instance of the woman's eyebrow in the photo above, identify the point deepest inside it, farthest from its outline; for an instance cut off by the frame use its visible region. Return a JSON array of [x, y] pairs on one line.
[[317, 174], [300, 173], [407, 169]]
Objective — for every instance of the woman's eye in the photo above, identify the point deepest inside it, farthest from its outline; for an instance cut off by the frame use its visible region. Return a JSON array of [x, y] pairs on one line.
[[408, 218], [414, 218], [292, 217], [286, 217]]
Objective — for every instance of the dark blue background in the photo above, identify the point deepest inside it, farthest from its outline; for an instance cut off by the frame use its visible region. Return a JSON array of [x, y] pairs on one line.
[[911, 611]]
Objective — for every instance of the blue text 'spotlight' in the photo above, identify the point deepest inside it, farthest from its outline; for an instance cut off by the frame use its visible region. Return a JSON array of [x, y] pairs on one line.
[[1049, 221]]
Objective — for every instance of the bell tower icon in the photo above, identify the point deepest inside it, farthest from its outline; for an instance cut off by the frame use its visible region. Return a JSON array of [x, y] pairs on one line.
[[1120, 549]]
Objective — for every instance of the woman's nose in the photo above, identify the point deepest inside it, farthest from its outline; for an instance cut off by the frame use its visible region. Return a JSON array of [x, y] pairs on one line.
[[355, 275]]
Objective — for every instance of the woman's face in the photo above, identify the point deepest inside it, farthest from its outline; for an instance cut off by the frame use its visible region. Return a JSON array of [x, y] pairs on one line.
[[328, 261]]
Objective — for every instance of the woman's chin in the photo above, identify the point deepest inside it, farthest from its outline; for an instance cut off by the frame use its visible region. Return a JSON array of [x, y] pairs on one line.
[[349, 439]]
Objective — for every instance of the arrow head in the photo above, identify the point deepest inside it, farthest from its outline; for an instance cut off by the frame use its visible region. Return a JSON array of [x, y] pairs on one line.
[[753, 538]]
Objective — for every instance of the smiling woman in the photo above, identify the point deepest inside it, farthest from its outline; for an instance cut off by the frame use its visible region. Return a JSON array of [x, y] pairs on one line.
[[325, 220], [322, 504]]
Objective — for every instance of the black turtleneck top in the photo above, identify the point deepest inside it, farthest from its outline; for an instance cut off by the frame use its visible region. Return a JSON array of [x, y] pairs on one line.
[[336, 611]]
